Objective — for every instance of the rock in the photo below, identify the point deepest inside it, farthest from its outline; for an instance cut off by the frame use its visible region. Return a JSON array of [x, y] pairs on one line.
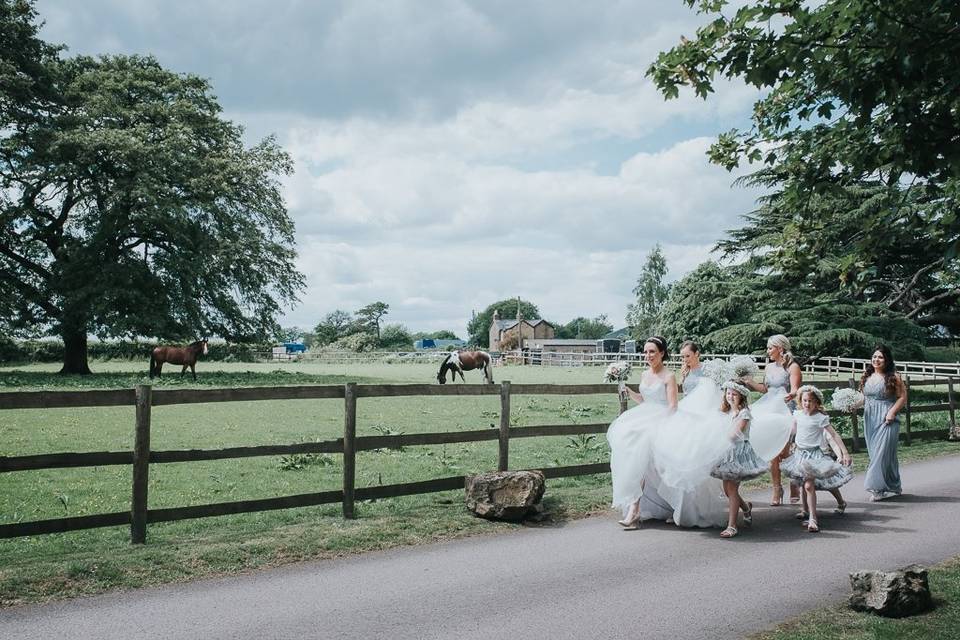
[[893, 594], [954, 435], [505, 495]]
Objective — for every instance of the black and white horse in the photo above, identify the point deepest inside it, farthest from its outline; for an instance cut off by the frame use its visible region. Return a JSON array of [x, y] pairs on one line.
[[460, 361]]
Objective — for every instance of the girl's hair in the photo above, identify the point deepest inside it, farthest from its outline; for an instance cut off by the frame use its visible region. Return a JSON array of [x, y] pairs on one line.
[[782, 341], [814, 395], [725, 406], [693, 346], [660, 343], [889, 370]]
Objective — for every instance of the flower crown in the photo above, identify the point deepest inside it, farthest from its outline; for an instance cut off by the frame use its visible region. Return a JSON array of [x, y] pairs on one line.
[[809, 388], [736, 386]]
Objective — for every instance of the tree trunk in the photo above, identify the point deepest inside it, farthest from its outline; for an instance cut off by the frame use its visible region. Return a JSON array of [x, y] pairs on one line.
[[74, 350]]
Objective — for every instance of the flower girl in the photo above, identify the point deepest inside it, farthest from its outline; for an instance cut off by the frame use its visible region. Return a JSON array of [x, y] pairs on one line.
[[741, 462], [809, 466]]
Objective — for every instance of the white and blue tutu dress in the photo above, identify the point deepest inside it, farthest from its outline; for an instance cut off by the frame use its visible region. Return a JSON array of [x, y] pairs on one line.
[[740, 462], [808, 460]]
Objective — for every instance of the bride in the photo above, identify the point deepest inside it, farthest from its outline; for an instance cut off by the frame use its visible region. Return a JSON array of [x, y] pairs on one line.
[[639, 491]]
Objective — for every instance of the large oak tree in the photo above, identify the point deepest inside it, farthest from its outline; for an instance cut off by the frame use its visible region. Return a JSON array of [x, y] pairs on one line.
[[130, 206]]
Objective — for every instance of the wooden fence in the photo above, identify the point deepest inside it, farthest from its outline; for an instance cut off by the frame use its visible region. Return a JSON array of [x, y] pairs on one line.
[[142, 456]]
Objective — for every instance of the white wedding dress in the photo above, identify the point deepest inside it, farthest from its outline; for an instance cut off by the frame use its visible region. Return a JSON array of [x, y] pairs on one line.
[[637, 472]]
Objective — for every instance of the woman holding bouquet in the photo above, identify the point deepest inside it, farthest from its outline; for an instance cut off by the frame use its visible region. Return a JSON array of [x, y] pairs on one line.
[[691, 372], [782, 378], [638, 490]]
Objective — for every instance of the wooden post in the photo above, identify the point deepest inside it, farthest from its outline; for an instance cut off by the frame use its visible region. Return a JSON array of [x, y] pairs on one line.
[[854, 428], [953, 405], [349, 447], [623, 401], [504, 455], [906, 384], [141, 465]]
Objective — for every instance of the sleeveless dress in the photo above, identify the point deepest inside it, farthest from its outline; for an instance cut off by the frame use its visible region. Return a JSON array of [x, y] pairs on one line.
[[772, 419], [694, 376], [883, 470], [635, 474], [631, 437], [808, 461], [741, 462]]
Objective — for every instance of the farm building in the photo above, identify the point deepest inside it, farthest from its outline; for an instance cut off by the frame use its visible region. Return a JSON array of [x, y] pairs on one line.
[[438, 343], [507, 335]]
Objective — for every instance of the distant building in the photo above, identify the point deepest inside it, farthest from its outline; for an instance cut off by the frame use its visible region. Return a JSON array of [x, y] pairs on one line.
[[438, 343], [517, 332]]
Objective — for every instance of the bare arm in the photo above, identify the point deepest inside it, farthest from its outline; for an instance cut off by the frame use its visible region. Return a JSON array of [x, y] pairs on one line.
[[898, 405], [636, 396], [739, 426], [796, 379], [754, 386], [836, 440], [672, 392]]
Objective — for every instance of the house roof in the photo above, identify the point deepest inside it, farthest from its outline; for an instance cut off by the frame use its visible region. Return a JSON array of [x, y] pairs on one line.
[[619, 333], [503, 325]]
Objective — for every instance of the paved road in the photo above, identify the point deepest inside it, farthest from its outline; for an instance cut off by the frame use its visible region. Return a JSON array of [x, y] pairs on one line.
[[586, 579]]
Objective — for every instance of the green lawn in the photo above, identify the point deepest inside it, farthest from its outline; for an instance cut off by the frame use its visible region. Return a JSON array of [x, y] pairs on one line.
[[60, 565], [841, 623]]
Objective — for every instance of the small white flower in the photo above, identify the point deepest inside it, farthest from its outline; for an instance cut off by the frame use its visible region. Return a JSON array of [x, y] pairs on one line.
[[847, 400], [744, 366], [717, 370]]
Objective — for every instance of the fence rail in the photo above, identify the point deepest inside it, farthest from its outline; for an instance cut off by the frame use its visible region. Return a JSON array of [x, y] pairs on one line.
[[143, 397]]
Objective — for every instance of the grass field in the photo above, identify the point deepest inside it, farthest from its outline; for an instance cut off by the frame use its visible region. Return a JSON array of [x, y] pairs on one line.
[[43, 567]]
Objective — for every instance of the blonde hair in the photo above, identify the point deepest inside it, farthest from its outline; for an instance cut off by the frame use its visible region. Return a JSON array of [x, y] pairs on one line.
[[744, 401], [783, 343], [815, 393]]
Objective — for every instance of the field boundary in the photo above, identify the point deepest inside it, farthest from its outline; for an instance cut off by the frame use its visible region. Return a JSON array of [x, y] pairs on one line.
[[144, 398]]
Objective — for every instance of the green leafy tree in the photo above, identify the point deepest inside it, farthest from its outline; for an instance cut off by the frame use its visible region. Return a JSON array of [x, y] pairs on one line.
[[368, 318], [854, 91], [734, 310], [442, 334], [479, 325], [395, 336], [335, 325], [131, 207], [585, 328], [907, 271], [651, 293]]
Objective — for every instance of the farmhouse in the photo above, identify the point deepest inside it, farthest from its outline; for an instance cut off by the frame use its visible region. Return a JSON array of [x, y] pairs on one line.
[[506, 335]]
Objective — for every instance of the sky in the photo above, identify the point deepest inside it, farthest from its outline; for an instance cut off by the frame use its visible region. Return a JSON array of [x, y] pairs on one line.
[[452, 153]]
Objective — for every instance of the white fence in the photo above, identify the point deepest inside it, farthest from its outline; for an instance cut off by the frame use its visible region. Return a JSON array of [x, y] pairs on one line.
[[828, 365]]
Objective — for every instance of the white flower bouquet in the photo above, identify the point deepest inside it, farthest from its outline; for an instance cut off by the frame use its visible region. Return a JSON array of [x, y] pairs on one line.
[[846, 400], [744, 367], [617, 372], [717, 370]]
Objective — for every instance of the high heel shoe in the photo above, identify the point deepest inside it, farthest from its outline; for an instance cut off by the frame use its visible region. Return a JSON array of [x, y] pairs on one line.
[[777, 496], [630, 525]]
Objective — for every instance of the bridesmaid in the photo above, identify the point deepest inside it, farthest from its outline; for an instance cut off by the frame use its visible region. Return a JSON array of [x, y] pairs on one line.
[[691, 372], [884, 395], [781, 372]]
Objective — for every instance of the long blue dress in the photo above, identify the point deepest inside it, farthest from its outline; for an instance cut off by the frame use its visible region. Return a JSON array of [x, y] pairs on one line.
[[883, 471]]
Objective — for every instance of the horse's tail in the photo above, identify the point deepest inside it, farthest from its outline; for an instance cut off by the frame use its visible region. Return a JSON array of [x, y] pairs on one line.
[[487, 366], [153, 363]]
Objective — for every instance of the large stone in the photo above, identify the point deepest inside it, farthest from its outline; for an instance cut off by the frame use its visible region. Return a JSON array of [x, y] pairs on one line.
[[954, 435], [505, 495], [893, 594]]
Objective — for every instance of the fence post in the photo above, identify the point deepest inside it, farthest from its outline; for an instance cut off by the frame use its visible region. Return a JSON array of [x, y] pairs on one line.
[[141, 465], [504, 455], [349, 447], [623, 401], [952, 402], [906, 384], [854, 428]]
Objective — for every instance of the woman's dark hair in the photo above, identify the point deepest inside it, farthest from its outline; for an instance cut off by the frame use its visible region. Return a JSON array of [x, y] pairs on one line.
[[660, 343], [889, 370]]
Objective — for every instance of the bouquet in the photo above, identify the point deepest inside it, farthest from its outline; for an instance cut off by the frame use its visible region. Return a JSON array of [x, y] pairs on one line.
[[744, 367], [717, 370], [617, 372], [846, 400]]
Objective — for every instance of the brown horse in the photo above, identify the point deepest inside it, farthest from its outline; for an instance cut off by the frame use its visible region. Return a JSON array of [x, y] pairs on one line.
[[187, 356], [460, 361]]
